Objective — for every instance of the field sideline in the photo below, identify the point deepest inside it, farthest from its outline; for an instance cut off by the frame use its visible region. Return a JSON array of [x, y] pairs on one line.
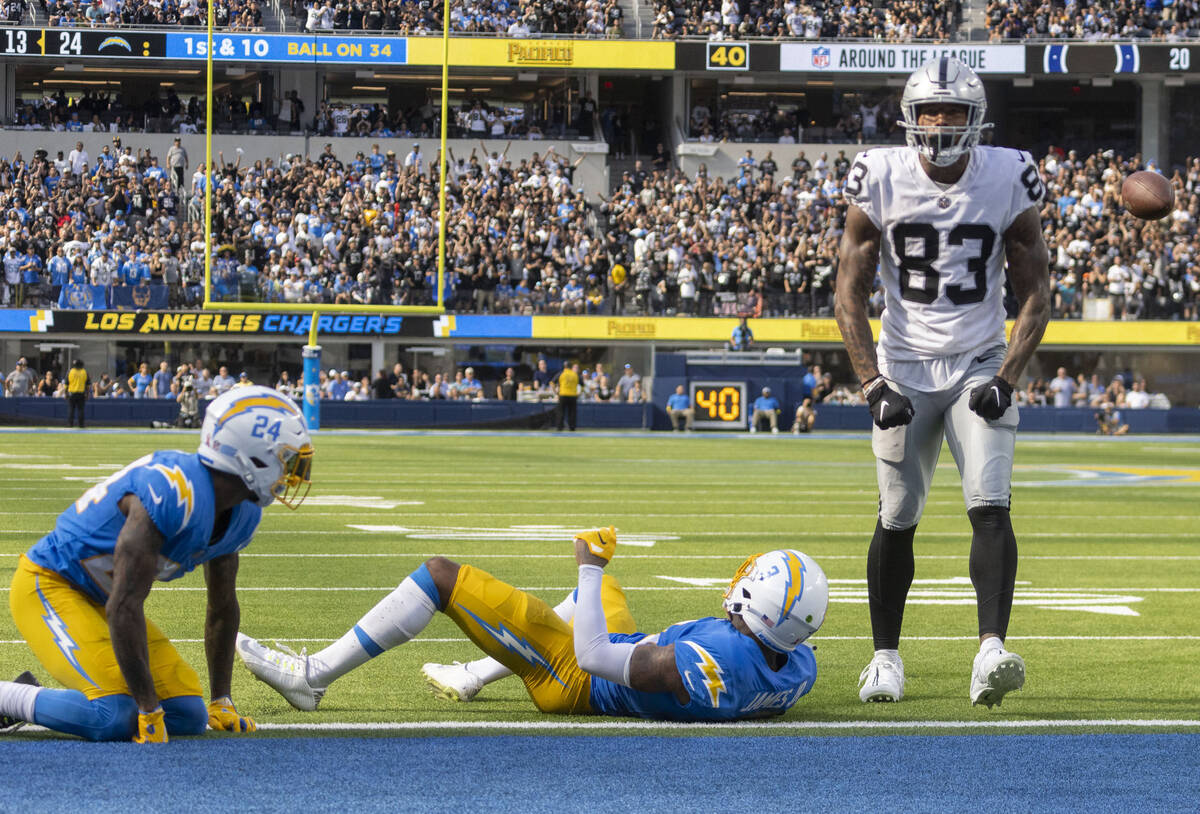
[[1107, 586]]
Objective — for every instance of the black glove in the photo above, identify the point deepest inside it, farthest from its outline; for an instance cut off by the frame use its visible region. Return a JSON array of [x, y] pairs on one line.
[[888, 408], [991, 399]]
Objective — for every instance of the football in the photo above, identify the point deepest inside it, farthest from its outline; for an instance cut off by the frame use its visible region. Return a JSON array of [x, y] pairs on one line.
[[1148, 195]]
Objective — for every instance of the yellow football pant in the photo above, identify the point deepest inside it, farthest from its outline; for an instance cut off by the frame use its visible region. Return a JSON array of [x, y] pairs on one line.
[[525, 635], [68, 633]]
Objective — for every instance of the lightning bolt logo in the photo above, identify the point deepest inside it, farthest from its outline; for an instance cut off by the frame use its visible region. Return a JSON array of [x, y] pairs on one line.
[[514, 644], [794, 583], [58, 629], [182, 487], [270, 402], [712, 672]]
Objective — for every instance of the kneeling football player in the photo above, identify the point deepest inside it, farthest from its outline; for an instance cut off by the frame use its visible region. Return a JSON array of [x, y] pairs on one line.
[[77, 595]]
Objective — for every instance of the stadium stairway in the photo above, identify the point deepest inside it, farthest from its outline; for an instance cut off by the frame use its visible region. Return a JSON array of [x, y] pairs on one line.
[[637, 20], [974, 21], [273, 17]]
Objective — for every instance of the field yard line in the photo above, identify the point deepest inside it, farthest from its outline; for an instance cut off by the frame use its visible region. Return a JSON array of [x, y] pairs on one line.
[[726, 557], [776, 726], [738, 557], [818, 639], [847, 594]]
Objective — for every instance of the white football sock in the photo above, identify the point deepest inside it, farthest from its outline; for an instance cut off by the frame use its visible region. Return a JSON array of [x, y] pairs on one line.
[[990, 643], [398, 617], [489, 670], [891, 655], [17, 700]]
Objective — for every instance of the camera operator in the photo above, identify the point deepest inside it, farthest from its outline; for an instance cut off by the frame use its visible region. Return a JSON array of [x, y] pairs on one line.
[[189, 405], [1108, 420]]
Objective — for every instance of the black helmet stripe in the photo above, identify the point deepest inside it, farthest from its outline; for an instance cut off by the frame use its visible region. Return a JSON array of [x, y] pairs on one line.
[[943, 72]]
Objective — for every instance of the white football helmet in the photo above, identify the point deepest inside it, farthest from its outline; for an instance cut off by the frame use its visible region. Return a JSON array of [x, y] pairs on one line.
[[259, 435], [781, 596], [944, 80]]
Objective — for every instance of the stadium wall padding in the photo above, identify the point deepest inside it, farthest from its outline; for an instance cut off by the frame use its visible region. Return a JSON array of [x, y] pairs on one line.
[[390, 414]]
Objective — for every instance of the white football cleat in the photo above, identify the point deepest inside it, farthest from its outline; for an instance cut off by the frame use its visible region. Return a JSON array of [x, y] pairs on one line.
[[284, 670], [996, 673], [454, 682], [882, 679]]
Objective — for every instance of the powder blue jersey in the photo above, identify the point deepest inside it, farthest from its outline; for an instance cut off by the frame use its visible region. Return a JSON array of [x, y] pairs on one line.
[[176, 490], [725, 674]]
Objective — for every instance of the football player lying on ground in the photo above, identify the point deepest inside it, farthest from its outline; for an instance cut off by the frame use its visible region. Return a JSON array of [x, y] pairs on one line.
[[78, 594], [750, 664]]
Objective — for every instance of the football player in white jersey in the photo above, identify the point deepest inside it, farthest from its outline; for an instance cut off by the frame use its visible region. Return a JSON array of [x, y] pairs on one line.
[[944, 221]]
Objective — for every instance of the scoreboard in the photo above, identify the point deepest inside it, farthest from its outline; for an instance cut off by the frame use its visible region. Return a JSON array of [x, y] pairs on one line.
[[76, 42], [718, 405]]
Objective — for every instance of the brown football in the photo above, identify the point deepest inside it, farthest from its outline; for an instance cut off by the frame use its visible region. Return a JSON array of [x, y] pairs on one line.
[[1148, 195]]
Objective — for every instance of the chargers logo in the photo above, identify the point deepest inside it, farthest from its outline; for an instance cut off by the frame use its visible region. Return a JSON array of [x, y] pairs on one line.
[[795, 584], [820, 57], [513, 644], [266, 401], [116, 42], [714, 681], [183, 490], [58, 629]]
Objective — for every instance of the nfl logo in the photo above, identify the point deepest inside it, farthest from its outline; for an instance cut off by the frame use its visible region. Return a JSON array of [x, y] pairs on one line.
[[820, 57]]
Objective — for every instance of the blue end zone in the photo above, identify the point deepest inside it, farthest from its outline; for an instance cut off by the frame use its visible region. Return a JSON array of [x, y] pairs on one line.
[[1093, 773]]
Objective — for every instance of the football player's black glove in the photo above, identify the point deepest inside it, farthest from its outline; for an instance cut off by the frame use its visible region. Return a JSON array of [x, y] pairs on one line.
[[991, 399], [888, 408]]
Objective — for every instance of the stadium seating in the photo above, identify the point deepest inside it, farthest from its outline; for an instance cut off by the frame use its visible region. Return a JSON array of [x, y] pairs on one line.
[[579, 18], [786, 19], [1108, 20], [234, 15]]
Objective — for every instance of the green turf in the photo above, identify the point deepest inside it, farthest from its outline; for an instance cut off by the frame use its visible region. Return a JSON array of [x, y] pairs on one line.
[[705, 503]]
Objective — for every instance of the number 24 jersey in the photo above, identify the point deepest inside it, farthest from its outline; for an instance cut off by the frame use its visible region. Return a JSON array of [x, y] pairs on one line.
[[177, 492], [941, 253]]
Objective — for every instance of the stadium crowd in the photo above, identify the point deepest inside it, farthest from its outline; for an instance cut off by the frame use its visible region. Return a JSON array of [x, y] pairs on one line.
[[514, 18], [872, 119], [169, 113], [234, 15], [1170, 20], [787, 19], [196, 382], [523, 238]]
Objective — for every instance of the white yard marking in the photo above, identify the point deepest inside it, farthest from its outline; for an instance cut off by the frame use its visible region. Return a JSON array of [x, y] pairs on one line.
[[358, 501], [514, 534]]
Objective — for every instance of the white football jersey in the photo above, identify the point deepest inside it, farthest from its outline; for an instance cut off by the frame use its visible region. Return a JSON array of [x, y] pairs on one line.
[[941, 251]]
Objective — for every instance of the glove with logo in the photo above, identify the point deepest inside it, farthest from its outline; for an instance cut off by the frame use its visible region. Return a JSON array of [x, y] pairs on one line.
[[223, 716], [991, 399], [888, 408], [152, 728]]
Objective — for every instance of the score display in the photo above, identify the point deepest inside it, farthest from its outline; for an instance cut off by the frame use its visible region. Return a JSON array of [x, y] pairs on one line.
[[718, 405]]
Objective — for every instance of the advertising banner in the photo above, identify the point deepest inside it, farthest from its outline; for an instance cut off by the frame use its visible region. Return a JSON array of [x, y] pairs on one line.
[[535, 54], [888, 58]]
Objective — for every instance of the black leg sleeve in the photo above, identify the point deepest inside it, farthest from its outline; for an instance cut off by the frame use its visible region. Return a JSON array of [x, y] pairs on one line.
[[889, 576], [993, 567]]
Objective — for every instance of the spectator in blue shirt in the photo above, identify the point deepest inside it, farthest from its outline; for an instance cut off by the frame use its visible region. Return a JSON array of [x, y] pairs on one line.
[[765, 406], [679, 406], [742, 337], [162, 382]]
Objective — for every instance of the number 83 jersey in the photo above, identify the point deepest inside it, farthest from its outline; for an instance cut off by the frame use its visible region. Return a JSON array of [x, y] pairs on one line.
[[941, 254]]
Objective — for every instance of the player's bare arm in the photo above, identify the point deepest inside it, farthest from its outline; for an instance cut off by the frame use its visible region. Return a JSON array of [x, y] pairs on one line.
[[857, 262], [653, 669], [135, 561], [221, 622], [1029, 276]]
